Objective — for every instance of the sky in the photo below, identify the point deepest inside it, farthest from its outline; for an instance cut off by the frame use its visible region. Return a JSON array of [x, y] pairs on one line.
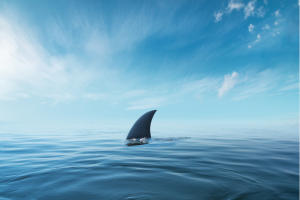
[[214, 61]]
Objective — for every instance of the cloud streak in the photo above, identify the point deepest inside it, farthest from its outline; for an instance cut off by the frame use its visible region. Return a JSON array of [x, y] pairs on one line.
[[197, 89], [259, 84], [290, 87]]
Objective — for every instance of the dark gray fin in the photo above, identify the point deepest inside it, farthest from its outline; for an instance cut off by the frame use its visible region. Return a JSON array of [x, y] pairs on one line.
[[141, 127]]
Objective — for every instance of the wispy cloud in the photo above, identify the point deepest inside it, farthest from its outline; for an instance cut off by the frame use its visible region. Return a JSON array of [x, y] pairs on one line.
[[60, 32], [260, 12], [290, 87], [266, 27], [201, 87], [114, 96], [218, 16], [258, 84], [30, 67], [250, 28], [131, 26], [27, 67], [229, 82], [258, 38], [277, 13], [232, 5], [197, 89], [249, 9]]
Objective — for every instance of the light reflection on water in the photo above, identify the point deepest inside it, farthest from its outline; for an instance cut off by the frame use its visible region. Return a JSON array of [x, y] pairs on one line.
[[95, 164]]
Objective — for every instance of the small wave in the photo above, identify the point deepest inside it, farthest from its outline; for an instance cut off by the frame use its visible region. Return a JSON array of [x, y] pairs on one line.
[[141, 141]]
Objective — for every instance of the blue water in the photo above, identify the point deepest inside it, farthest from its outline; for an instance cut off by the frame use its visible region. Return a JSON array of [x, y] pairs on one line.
[[96, 163]]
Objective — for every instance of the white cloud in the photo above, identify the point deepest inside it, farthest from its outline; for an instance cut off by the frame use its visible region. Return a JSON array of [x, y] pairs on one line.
[[249, 9], [276, 23], [229, 82], [265, 2], [234, 5], [250, 28], [249, 46], [258, 38], [277, 13], [266, 27], [218, 16]]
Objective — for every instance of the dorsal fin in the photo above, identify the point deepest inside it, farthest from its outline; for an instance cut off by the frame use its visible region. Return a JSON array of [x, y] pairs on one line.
[[141, 127]]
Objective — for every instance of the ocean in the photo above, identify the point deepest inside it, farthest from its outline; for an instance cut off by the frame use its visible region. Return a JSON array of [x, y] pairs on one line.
[[96, 163]]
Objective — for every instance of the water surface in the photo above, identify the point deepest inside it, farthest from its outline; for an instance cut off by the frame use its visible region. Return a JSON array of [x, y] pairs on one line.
[[96, 163]]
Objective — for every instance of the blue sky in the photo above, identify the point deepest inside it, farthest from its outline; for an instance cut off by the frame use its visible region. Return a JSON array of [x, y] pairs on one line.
[[198, 61]]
